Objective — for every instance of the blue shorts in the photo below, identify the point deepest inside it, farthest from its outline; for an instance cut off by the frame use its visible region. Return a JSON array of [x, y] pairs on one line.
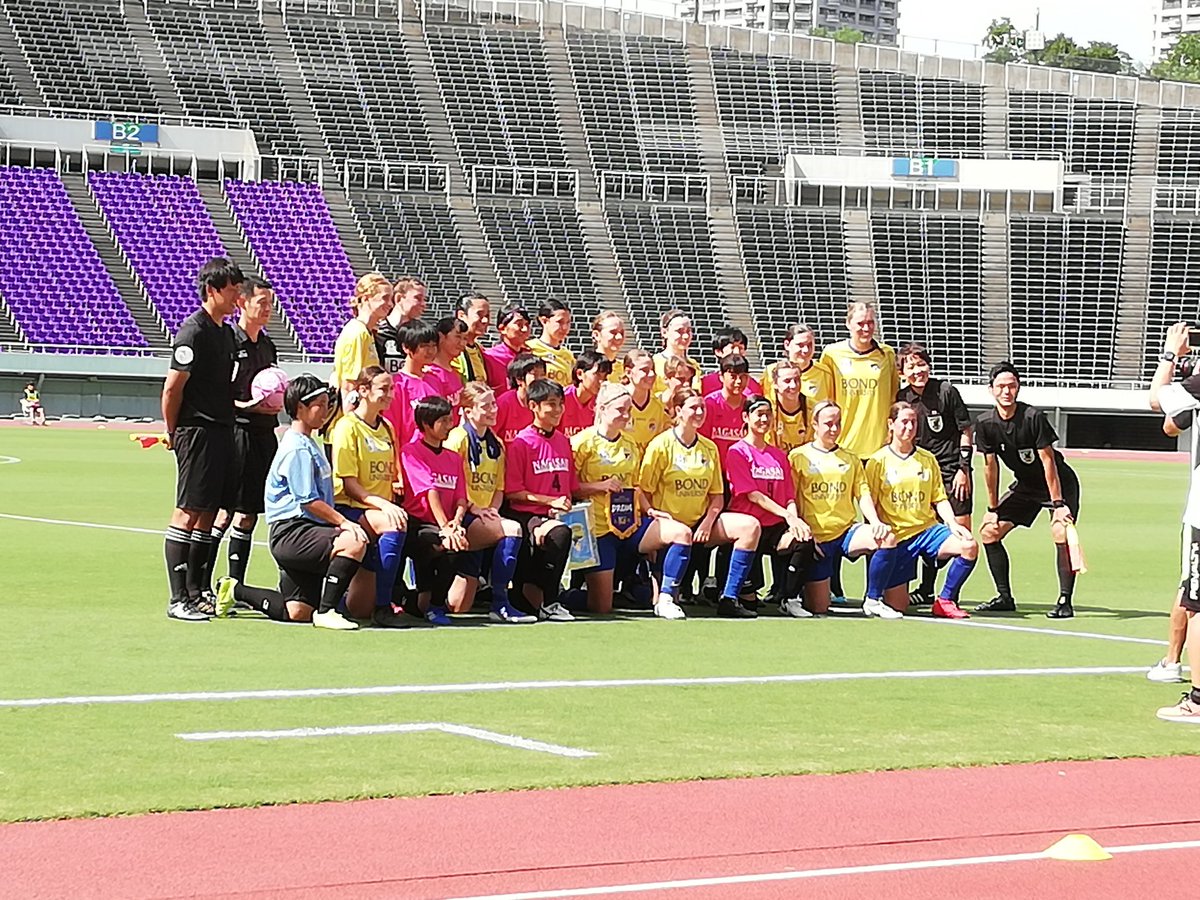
[[924, 545], [829, 553], [611, 548]]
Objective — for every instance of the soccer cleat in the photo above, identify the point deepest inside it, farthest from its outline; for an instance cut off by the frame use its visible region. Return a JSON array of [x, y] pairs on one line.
[[186, 611], [731, 608], [334, 621], [1062, 609], [998, 604], [505, 613], [437, 615], [839, 600], [877, 608], [1186, 710], [920, 598], [206, 603], [710, 591], [948, 609], [225, 599], [1164, 672], [795, 609], [666, 608], [390, 616], [555, 612]]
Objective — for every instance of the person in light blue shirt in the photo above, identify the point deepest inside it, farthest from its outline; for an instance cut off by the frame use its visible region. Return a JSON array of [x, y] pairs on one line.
[[318, 550]]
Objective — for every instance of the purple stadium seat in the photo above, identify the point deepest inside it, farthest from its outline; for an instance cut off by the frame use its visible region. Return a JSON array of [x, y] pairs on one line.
[[293, 236], [51, 276]]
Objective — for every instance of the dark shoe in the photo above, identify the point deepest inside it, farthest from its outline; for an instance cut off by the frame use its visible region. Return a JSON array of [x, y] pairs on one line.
[[206, 603], [997, 604], [390, 617], [710, 591], [920, 598], [186, 611], [1062, 609], [731, 608]]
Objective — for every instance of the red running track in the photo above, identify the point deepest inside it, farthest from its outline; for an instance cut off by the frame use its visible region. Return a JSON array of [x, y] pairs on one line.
[[484, 844]]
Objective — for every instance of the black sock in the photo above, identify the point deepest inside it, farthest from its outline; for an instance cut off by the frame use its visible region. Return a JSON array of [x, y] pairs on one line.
[[240, 543], [198, 580], [337, 579], [264, 599], [928, 578], [835, 579], [176, 548], [799, 562], [1066, 576], [997, 560], [217, 535]]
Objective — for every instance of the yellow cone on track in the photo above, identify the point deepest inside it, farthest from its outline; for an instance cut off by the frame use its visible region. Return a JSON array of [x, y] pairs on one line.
[[1077, 848]]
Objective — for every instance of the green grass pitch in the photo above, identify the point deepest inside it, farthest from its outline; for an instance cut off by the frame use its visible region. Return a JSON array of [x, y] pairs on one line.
[[82, 613]]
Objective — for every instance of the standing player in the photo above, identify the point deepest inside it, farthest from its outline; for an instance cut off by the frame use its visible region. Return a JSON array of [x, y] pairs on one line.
[[676, 330], [197, 409], [945, 431], [550, 348], [408, 305], [476, 311], [355, 348], [724, 423], [513, 326], [441, 374], [790, 427], [512, 409], [589, 373], [419, 340], [647, 415], [726, 342], [1023, 439], [608, 338], [800, 347]]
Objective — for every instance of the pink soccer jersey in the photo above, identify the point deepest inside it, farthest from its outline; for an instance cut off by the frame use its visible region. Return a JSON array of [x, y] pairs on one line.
[[539, 465], [425, 470], [496, 359], [712, 382], [408, 391], [576, 416], [512, 414], [445, 383], [767, 471], [723, 424]]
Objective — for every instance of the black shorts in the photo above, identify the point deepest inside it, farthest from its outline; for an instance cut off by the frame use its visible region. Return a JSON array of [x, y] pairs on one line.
[[1190, 600], [206, 467], [302, 549], [960, 507], [254, 451], [1022, 507], [768, 541]]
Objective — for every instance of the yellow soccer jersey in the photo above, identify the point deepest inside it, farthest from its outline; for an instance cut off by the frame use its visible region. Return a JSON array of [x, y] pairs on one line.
[[559, 360], [828, 482], [597, 458], [648, 422], [353, 352], [660, 383], [618, 371], [905, 489], [365, 453], [816, 384], [864, 386], [469, 364], [483, 480], [680, 480], [790, 431]]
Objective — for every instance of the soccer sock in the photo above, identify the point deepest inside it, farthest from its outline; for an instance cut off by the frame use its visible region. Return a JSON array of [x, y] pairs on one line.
[[176, 549], [956, 576], [997, 560], [504, 564], [1066, 576], [215, 548], [239, 552], [269, 602], [198, 580], [740, 562], [337, 579], [391, 548], [554, 552], [879, 571], [835, 579], [928, 577], [675, 563], [799, 564]]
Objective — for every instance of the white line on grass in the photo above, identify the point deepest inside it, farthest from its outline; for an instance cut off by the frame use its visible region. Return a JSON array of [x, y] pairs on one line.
[[1033, 629], [9, 460], [952, 863], [479, 734], [490, 687], [130, 528]]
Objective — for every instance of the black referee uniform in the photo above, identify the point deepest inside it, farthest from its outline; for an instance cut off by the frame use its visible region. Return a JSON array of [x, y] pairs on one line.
[[1016, 442], [254, 433], [943, 417], [387, 345]]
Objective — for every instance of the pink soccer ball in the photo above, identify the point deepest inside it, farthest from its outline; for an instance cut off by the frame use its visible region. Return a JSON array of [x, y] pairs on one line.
[[268, 387]]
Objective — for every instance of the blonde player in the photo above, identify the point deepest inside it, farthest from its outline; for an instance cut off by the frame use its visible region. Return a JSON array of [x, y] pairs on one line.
[[647, 414]]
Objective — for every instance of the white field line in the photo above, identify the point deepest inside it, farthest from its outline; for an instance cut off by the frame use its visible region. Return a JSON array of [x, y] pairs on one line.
[[9, 460], [490, 687], [1031, 629], [39, 521], [952, 863], [479, 734]]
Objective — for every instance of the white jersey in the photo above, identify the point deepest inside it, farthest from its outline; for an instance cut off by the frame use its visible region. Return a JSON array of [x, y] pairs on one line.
[[1175, 399]]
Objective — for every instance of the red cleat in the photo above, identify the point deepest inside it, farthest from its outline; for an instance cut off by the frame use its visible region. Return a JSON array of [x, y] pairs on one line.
[[948, 609]]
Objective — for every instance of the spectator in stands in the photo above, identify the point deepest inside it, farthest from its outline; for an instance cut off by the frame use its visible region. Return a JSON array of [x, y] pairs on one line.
[[355, 348], [682, 476], [513, 413], [254, 440], [676, 329], [800, 347], [31, 405], [483, 456], [588, 374], [364, 454], [907, 482], [550, 348], [408, 295], [944, 429], [419, 340], [197, 409], [441, 374], [318, 549], [539, 481], [476, 311], [727, 341], [829, 481], [790, 428], [608, 338], [513, 326], [1023, 439], [647, 414], [607, 461]]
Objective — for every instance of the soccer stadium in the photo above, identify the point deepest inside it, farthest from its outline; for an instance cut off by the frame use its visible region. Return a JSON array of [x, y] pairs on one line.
[[622, 167]]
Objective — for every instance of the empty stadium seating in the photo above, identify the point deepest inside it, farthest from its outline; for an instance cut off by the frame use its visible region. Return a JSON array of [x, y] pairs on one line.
[[50, 273], [9, 95], [904, 114], [1174, 294], [1093, 137]]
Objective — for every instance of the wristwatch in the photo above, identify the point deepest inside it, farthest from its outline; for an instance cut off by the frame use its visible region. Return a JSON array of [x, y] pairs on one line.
[[1167, 356]]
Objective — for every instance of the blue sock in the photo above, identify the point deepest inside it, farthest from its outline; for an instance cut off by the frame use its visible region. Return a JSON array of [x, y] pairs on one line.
[[956, 576], [391, 545], [879, 572], [504, 564], [675, 561], [739, 567]]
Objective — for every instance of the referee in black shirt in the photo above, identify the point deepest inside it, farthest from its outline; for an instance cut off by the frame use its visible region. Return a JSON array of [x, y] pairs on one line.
[[254, 438], [944, 429], [197, 408], [1023, 439]]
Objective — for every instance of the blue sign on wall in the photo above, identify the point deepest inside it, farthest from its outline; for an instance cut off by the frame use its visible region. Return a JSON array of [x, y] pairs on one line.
[[924, 167], [126, 132]]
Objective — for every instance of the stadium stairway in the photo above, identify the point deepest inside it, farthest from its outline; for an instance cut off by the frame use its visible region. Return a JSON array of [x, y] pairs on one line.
[[995, 117], [995, 324], [348, 229], [1130, 350], [847, 106], [291, 83], [166, 94], [18, 65], [860, 260], [10, 332], [148, 321]]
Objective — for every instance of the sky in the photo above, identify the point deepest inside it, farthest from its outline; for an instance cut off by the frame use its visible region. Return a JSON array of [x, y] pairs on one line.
[[1127, 23]]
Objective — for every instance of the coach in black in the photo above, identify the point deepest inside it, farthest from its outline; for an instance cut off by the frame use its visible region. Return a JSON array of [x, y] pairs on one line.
[[197, 408], [254, 440], [1023, 439], [944, 429]]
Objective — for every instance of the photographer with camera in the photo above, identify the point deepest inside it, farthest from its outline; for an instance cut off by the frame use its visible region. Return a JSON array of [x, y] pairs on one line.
[[1173, 399]]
